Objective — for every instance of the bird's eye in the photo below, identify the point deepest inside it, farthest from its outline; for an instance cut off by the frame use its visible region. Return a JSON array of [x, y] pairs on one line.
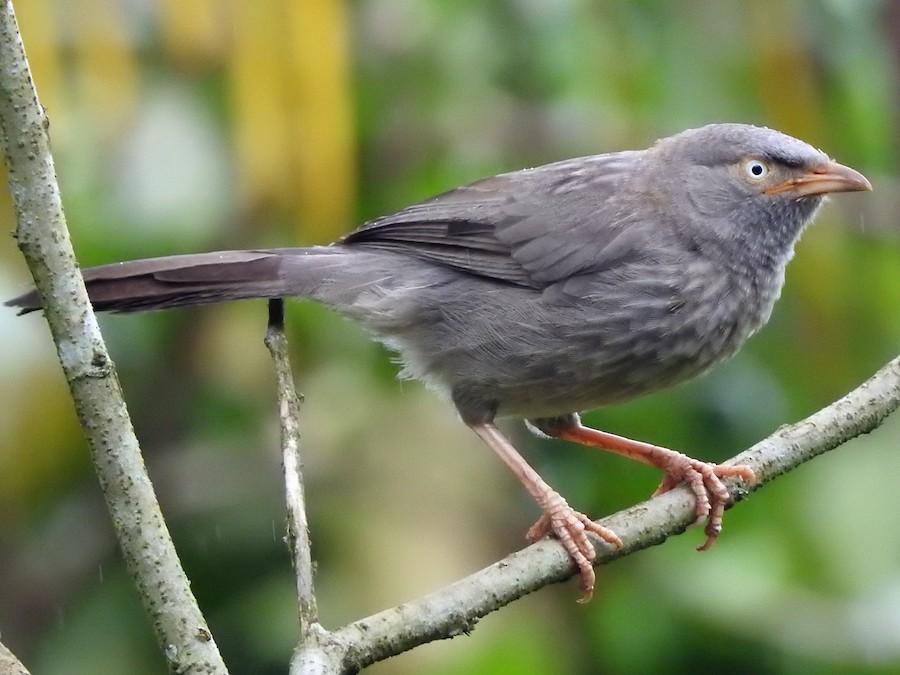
[[755, 169]]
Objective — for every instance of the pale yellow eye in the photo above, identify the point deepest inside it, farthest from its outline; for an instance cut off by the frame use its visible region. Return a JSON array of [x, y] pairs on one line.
[[755, 169]]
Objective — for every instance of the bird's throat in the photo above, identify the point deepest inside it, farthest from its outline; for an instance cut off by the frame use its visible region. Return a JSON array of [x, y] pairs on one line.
[[763, 244]]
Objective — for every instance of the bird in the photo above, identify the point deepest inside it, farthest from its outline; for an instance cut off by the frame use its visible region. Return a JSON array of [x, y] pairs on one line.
[[541, 293]]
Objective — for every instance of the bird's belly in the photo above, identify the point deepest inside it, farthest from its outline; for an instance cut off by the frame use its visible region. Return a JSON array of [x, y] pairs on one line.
[[588, 369], [605, 377], [525, 355]]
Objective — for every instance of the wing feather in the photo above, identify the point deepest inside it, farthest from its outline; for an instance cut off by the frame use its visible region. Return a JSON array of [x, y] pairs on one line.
[[530, 228]]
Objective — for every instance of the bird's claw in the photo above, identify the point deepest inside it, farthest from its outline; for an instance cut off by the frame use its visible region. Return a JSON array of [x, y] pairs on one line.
[[572, 528], [705, 481]]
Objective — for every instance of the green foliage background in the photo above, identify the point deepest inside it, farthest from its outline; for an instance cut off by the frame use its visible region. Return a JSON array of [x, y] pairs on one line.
[[196, 125]]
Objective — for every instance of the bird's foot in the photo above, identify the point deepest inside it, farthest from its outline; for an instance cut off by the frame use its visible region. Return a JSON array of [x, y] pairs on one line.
[[705, 481], [571, 528]]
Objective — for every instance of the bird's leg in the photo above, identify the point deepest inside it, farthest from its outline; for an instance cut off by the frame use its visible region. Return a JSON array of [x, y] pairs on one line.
[[560, 519], [703, 478]]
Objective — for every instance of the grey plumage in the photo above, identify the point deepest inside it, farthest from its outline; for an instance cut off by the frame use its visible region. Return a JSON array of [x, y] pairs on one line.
[[543, 292]]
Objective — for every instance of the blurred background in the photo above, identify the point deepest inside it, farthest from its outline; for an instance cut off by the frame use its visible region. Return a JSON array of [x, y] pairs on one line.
[[191, 125]]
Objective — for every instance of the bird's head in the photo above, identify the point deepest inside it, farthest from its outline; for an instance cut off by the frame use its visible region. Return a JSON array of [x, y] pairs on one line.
[[747, 184]]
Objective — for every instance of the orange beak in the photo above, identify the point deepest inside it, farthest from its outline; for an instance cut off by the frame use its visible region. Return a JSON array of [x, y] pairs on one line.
[[831, 177]]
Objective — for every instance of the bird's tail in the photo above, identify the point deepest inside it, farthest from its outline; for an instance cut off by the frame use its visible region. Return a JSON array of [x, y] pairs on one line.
[[197, 279]]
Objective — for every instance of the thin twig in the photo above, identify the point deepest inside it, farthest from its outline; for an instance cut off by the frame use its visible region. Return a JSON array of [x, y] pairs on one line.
[[44, 241], [297, 524], [9, 664], [455, 609]]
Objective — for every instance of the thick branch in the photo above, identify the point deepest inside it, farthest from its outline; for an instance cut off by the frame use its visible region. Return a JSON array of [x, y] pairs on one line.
[[297, 526], [9, 664], [456, 608], [44, 241]]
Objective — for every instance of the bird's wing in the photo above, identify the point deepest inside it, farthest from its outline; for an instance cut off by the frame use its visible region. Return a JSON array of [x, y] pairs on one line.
[[530, 228]]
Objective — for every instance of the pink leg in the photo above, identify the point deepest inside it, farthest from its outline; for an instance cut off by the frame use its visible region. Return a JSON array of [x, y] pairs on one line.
[[704, 479], [569, 526]]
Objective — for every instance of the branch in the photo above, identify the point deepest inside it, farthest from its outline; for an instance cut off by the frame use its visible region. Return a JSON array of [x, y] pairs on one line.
[[44, 241], [297, 526], [9, 664], [455, 609]]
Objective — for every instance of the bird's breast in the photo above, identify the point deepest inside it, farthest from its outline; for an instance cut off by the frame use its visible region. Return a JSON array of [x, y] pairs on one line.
[[718, 310]]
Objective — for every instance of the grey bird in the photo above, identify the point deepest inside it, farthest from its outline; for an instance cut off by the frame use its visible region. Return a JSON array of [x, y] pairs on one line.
[[544, 292]]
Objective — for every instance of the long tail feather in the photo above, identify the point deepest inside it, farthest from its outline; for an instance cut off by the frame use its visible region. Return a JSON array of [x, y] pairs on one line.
[[176, 281]]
